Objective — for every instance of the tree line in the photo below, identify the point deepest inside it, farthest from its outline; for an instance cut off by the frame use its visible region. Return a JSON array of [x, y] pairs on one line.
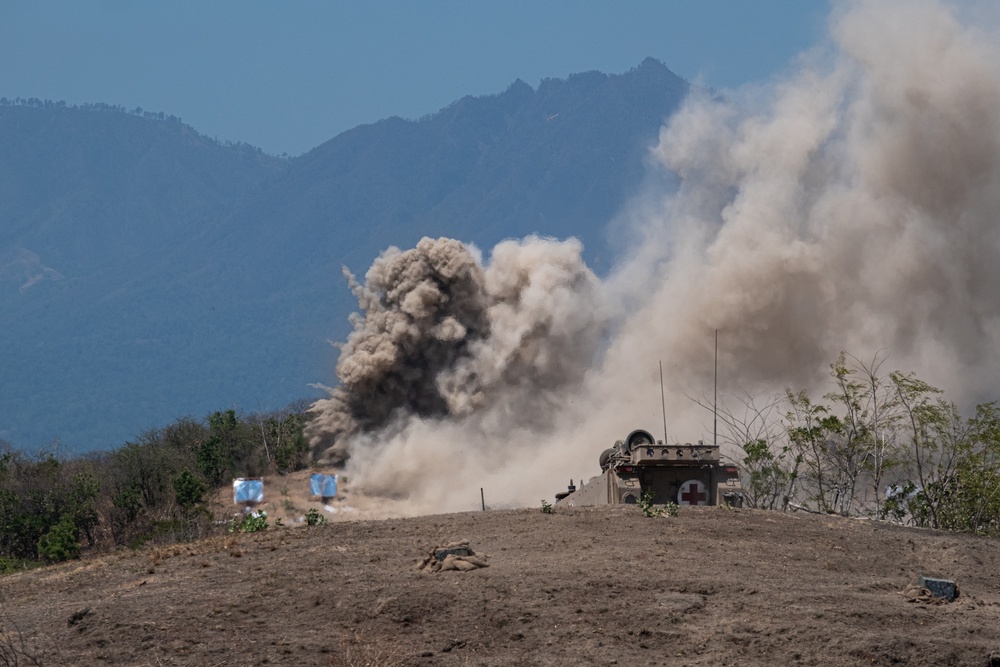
[[153, 489], [35, 103], [883, 445], [886, 446]]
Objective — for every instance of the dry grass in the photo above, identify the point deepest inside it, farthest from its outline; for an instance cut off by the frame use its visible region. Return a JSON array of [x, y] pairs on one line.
[[15, 649], [368, 649]]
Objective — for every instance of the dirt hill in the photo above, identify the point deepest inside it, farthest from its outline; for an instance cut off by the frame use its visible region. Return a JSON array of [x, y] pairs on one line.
[[586, 586]]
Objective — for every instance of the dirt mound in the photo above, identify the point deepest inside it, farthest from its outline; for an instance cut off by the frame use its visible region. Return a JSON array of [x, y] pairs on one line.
[[588, 586]]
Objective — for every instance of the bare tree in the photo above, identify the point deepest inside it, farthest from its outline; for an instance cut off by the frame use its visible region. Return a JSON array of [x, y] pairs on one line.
[[751, 424]]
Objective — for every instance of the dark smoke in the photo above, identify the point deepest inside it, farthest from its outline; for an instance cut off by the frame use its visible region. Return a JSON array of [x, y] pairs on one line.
[[420, 311], [441, 336]]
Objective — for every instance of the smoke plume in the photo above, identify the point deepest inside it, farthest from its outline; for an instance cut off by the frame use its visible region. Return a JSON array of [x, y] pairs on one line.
[[442, 338], [851, 204]]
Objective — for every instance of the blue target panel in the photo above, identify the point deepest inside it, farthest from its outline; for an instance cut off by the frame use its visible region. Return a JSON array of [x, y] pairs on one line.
[[323, 485], [248, 490]]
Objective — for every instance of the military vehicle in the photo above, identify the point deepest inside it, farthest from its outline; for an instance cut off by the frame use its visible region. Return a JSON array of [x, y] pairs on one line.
[[684, 474]]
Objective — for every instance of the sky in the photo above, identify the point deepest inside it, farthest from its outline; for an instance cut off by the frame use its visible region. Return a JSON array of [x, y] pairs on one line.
[[286, 77]]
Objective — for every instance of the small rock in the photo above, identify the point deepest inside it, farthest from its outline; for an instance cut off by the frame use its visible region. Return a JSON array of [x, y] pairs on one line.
[[78, 616]]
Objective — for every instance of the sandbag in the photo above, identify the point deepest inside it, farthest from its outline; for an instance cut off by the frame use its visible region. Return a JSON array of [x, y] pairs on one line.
[[452, 557], [478, 561]]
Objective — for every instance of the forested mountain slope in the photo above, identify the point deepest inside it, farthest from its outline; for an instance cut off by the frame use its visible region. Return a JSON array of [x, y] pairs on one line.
[[148, 272]]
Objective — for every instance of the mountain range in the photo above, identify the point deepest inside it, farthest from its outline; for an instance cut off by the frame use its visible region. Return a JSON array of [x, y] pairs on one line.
[[148, 272]]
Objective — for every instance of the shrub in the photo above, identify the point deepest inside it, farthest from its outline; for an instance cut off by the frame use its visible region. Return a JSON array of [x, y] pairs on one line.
[[61, 542], [189, 490], [251, 523], [314, 518], [649, 509]]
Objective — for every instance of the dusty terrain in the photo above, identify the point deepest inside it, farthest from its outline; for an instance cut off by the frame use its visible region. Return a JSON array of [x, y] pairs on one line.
[[588, 586]]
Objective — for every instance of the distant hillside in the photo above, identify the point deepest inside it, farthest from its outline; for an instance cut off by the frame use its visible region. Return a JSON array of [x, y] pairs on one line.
[[560, 160], [87, 187], [148, 272]]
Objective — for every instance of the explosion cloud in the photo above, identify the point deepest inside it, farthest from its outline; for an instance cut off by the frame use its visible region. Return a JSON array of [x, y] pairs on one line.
[[850, 205], [443, 337]]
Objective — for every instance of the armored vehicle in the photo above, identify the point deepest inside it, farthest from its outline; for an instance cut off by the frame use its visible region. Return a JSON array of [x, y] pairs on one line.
[[684, 474]]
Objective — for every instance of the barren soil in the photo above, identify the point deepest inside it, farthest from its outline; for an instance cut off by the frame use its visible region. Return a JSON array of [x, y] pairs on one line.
[[583, 586]]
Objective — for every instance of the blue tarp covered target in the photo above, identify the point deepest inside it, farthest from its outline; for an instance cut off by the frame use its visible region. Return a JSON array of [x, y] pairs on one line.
[[248, 491], [323, 485]]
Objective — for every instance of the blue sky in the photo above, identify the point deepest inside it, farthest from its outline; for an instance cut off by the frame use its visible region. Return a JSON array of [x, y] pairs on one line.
[[286, 76]]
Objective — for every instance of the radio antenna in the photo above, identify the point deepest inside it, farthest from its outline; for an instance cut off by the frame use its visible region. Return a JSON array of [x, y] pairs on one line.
[[715, 400], [663, 404]]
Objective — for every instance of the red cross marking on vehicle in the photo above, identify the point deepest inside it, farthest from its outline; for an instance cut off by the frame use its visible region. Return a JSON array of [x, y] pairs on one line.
[[693, 495]]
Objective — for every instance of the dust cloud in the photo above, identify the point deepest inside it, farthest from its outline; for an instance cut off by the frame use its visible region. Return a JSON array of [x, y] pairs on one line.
[[444, 337], [850, 204]]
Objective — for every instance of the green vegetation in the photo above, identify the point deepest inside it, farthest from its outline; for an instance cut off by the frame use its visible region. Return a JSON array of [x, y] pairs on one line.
[[652, 510], [547, 507], [314, 518], [250, 523], [61, 542], [45, 508], [887, 446], [189, 491], [152, 490]]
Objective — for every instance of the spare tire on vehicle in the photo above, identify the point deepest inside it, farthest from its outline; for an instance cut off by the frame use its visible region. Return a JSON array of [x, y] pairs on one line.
[[606, 457]]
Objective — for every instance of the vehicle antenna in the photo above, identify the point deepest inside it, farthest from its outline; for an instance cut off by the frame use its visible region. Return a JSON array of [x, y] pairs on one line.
[[663, 404], [715, 400]]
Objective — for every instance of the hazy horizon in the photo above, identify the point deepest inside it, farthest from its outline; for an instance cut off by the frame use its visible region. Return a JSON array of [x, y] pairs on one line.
[[287, 78]]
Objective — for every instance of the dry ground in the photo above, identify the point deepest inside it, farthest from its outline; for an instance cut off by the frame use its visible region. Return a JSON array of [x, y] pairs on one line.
[[583, 586]]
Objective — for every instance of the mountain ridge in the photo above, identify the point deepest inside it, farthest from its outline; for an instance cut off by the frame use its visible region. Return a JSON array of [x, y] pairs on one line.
[[197, 276]]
